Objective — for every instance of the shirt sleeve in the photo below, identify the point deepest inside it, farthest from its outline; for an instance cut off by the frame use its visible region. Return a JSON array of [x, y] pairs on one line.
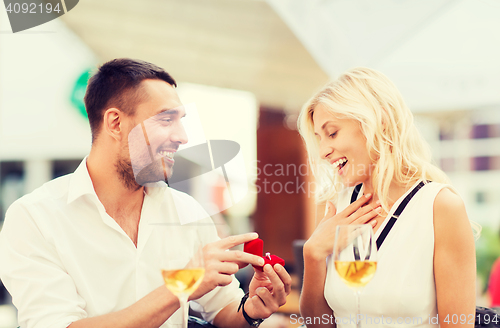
[[210, 304], [31, 270]]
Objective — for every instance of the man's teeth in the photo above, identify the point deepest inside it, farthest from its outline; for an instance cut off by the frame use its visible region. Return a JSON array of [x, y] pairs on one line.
[[340, 162], [168, 154]]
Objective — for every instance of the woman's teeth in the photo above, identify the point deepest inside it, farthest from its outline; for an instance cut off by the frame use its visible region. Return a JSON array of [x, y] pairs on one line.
[[340, 162], [168, 154]]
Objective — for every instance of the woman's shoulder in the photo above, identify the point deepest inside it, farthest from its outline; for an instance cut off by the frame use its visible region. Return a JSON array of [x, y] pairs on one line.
[[447, 202], [450, 215], [441, 194]]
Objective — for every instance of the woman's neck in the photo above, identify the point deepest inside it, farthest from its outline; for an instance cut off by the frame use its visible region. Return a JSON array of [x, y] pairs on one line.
[[396, 190]]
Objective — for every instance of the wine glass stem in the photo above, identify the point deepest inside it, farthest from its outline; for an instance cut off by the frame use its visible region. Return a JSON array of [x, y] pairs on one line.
[[358, 311], [185, 310]]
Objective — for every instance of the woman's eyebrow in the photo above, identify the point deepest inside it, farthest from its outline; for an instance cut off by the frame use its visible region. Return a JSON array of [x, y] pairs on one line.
[[323, 127], [327, 123]]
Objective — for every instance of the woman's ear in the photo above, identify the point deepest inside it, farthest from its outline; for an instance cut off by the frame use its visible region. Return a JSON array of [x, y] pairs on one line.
[[374, 155], [112, 123]]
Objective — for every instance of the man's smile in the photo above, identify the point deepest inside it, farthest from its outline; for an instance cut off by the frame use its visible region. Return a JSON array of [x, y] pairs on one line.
[[168, 155]]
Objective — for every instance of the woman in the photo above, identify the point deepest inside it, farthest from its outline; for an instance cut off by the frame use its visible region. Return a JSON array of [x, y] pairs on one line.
[[358, 130]]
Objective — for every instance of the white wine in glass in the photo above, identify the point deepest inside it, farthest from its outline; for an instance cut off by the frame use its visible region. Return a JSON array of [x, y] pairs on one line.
[[183, 281], [356, 274], [355, 256]]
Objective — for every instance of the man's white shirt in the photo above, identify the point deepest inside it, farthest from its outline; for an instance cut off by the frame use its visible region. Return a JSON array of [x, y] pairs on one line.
[[63, 258]]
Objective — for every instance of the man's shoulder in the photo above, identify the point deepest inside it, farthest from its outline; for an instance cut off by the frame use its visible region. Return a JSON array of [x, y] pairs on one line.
[[53, 190], [36, 207]]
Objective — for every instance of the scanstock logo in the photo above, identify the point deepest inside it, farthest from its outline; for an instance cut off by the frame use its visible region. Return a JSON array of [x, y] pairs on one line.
[[25, 14]]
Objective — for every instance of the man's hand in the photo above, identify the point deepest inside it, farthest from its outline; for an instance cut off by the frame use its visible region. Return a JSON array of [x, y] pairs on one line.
[[221, 263], [267, 291]]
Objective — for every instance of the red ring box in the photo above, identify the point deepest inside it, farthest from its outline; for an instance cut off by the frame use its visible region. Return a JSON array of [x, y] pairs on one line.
[[256, 247]]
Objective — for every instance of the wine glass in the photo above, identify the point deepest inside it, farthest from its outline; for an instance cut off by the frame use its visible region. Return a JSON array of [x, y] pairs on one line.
[[183, 279], [355, 256]]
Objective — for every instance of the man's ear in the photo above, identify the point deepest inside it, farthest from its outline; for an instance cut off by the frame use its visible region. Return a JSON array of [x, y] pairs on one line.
[[112, 123]]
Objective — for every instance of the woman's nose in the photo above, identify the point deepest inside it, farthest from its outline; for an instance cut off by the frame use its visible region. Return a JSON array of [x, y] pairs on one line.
[[324, 149]]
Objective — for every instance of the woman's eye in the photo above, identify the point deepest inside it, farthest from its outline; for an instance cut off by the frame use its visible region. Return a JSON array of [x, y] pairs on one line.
[[333, 134]]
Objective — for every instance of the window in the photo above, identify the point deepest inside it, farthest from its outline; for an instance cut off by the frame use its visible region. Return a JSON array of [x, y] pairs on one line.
[[480, 131], [480, 163], [485, 163]]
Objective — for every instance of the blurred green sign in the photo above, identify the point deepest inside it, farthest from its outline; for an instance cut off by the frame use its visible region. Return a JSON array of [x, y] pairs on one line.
[[78, 92]]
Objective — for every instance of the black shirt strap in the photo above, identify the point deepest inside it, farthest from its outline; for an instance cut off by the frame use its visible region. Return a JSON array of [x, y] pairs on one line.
[[355, 193], [396, 214], [354, 197]]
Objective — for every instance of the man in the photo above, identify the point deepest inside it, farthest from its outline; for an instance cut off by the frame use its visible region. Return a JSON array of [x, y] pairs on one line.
[[83, 250]]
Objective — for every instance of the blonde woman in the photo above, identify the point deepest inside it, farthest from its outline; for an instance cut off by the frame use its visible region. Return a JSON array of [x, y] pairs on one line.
[[359, 132]]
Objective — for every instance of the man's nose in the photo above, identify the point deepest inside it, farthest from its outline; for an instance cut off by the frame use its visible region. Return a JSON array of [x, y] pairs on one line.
[[179, 134]]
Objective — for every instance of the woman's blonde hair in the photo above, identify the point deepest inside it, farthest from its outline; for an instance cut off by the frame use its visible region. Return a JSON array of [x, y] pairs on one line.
[[398, 150]]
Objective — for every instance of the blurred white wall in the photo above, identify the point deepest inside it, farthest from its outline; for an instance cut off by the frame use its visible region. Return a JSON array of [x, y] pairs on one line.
[[39, 68], [228, 115]]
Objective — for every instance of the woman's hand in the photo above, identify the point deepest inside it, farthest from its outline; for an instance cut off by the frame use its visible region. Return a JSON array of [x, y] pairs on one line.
[[320, 244]]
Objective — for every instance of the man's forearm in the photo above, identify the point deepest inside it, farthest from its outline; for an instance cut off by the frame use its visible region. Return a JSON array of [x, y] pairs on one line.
[[151, 311], [229, 317]]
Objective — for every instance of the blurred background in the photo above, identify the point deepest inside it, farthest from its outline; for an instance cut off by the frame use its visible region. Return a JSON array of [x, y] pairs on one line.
[[249, 65]]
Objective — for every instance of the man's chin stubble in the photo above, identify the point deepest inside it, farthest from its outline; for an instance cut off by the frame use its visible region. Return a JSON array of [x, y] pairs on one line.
[[156, 171], [126, 175]]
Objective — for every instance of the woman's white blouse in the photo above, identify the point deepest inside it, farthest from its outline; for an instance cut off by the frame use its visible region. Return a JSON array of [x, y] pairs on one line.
[[402, 293]]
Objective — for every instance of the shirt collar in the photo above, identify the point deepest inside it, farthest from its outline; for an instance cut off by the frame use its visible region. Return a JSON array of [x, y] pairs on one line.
[[80, 183], [155, 189]]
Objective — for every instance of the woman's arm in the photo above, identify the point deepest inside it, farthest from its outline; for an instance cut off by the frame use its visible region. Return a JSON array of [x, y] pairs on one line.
[[454, 261], [312, 300]]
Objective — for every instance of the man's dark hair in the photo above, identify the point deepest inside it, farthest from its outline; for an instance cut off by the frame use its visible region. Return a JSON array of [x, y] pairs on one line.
[[116, 84]]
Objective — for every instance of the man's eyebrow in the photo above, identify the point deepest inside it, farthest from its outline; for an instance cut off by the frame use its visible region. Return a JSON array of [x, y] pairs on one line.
[[171, 111]]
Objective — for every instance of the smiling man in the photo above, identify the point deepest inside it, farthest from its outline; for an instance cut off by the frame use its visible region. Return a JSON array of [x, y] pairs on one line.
[[83, 250], [153, 142]]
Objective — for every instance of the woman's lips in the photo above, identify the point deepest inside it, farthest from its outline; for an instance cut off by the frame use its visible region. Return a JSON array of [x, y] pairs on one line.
[[341, 170], [340, 164]]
